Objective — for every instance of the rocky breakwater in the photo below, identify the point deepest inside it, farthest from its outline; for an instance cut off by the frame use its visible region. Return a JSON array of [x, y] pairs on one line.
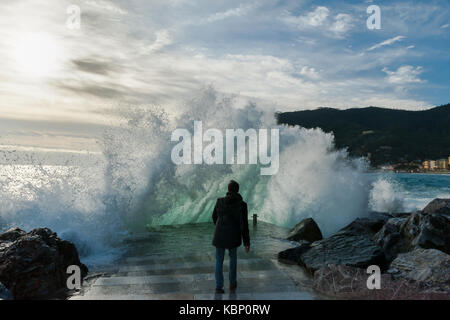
[[34, 265], [412, 251]]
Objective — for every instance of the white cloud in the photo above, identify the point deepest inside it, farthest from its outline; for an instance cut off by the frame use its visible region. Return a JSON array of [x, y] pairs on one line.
[[322, 20], [342, 24], [404, 75], [386, 42], [289, 63], [309, 72], [163, 39], [240, 11], [105, 5], [315, 18], [445, 26]]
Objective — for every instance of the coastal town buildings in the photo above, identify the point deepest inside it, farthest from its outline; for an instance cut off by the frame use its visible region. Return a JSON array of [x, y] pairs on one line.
[[442, 164], [436, 165]]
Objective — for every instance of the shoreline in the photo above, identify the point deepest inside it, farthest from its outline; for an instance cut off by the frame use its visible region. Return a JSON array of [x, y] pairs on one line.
[[405, 172]]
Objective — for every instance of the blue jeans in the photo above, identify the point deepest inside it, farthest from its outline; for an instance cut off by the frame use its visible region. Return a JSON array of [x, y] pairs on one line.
[[220, 254]]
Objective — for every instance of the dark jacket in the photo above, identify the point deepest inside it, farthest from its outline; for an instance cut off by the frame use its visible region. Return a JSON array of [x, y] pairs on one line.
[[230, 218]]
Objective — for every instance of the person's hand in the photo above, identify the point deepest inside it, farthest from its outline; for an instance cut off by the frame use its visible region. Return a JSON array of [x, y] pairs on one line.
[[247, 249]]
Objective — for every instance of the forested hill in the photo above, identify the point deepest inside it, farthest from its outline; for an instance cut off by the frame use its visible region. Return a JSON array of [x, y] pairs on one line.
[[388, 135]]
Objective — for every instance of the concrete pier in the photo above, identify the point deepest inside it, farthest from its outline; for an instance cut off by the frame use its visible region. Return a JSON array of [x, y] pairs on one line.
[[177, 262]]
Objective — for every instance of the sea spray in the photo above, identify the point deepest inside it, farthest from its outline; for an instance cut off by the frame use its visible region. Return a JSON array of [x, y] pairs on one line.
[[385, 196], [134, 184], [314, 179]]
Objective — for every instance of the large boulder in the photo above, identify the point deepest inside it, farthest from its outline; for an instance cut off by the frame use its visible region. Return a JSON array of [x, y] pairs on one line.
[[428, 266], [428, 231], [344, 282], [293, 255], [368, 225], [343, 249], [438, 206], [33, 265], [390, 239], [307, 230]]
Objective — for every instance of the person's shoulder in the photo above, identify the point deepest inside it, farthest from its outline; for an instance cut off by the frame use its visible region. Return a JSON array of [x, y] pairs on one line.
[[220, 199]]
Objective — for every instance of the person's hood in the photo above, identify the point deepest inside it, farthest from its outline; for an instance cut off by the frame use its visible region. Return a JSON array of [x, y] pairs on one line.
[[233, 197]]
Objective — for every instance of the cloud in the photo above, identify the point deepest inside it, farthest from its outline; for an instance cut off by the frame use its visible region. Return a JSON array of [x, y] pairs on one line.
[[322, 20], [312, 19], [282, 54], [240, 11], [404, 75], [92, 65], [163, 39], [386, 42], [105, 6], [342, 24], [445, 26], [309, 72]]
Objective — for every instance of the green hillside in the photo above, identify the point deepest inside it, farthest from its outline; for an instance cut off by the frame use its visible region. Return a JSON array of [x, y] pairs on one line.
[[390, 136]]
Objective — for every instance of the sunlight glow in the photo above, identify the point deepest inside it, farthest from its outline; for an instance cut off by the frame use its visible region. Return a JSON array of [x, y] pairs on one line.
[[37, 55]]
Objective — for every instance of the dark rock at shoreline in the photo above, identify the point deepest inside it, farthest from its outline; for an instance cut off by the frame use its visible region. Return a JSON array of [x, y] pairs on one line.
[[367, 226], [307, 230], [390, 239], [4, 293], [430, 267], [343, 249], [12, 235], [33, 265], [414, 246], [344, 282], [293, 255], [428, 231], [438, 206]]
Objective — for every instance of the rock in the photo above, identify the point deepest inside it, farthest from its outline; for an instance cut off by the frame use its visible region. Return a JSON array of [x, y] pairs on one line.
[[428, 266], [4, 293], [307, 230], [33, 265], [343, 249], [428, 231], [401, 214], [367, 226], [344, 282], [293, 255], [438, 206], [389, 238], [11, 234]]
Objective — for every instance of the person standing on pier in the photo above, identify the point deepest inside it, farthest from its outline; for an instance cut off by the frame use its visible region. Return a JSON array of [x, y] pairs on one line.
[[231, 229]]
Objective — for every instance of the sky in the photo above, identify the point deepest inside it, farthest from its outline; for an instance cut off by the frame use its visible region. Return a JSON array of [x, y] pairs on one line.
[[59, 82]]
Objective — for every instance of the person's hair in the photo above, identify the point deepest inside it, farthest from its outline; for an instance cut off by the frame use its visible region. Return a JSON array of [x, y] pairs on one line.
[[233, 186]]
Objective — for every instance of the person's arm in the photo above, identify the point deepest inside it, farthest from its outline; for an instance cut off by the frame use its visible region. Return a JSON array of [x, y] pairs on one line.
[[245, 232], [214, 214]]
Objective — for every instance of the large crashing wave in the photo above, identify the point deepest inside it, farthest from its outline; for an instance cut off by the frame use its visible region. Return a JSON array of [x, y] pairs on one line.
[[314, 179], [137, 185]]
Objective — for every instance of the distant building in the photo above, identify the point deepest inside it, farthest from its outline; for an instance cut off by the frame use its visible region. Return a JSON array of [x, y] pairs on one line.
[[433, 165], [442, 164], [426, 165], [448, 163]]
